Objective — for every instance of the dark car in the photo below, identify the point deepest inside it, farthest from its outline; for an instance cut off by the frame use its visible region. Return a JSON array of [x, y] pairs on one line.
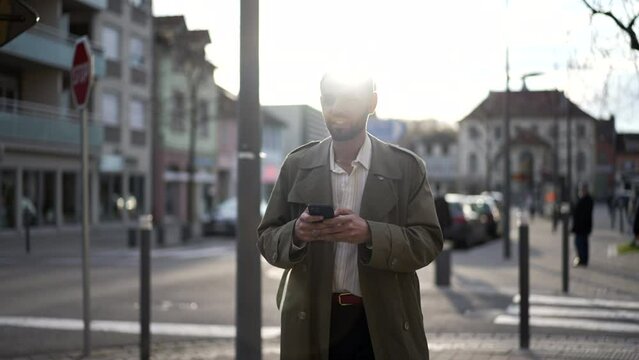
[[458, 221], [223, 219]]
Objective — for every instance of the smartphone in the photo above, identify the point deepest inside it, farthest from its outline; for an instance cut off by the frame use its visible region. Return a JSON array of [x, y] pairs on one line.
[[321, 210]]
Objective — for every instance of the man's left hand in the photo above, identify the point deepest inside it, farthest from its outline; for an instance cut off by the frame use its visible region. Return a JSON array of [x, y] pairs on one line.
[[346, 226]]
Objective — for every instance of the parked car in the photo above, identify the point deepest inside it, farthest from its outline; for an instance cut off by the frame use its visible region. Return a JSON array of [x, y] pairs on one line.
[[488, 211], [459, 222], [223, 219]]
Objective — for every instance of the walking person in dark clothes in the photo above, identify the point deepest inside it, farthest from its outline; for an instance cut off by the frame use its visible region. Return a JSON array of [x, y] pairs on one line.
[[582, 225]]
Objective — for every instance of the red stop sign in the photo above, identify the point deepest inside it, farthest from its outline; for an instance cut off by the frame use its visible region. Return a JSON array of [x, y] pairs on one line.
[[81, 72]]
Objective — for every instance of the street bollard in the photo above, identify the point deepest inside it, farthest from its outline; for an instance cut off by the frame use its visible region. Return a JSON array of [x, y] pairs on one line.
[[621, 218], [565, 217], [524, 289], [146, 227], [443, 265]]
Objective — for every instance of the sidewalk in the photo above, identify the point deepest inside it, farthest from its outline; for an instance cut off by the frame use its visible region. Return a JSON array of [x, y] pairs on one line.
[[462, 321], [443, 346]]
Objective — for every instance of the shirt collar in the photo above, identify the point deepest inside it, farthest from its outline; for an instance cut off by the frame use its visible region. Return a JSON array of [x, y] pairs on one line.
[[363, 156]]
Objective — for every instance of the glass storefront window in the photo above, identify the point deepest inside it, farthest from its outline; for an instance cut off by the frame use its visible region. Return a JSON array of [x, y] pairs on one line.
[[71, 194], [7, 199], [135, 203], [31, 192], [111, 199], [48, 197]]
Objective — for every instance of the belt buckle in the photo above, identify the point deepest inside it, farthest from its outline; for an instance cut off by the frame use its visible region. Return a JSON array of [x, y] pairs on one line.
[[339, 299]]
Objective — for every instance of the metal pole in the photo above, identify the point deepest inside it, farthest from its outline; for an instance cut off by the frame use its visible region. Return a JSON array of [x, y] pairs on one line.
[[248, 343], [145, 286], [565, 217], [569, 145], [621, 229], [86, 296], [507, 161], [524, 290]]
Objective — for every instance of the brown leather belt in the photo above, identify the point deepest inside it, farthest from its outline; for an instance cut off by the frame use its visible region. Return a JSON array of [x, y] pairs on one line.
[[346, 299]]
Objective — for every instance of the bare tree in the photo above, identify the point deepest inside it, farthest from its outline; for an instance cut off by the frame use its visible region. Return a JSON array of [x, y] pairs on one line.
[[626, 28]]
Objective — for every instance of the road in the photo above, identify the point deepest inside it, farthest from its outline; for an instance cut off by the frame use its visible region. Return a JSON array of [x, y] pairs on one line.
[[193, 293]]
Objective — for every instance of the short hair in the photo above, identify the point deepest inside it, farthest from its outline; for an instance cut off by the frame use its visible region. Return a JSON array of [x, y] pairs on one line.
[[348, 79]]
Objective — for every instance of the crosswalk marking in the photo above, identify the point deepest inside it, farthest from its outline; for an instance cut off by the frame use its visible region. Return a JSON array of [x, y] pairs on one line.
[[132, 327], [578, 301], [570, 323], [589, 314], [538, 310]]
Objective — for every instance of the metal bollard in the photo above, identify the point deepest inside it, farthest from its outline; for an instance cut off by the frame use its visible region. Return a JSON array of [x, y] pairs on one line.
[[565, 261], [621, 218], [443, 265], [146, 227], [524, 282]]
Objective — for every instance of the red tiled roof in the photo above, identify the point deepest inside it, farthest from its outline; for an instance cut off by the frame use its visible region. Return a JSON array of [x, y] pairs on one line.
[[541, 104]]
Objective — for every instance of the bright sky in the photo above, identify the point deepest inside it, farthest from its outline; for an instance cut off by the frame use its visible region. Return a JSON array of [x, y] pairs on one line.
[[431, 59]]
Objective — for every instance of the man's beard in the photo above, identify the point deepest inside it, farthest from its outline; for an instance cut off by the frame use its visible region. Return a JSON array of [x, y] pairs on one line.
[[345, 134]]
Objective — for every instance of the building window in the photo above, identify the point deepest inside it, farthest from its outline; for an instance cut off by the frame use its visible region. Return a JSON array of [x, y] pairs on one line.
[[581, 162], [472, 163], [110, 109], [177, 118], [498, 132], [581, 131], [111, 43], [136, 115], [473, 133], [38, 196], [111, 200], [70, 197], [429, 149], [444, 149], [136, 196], [7, 199], [203, 113], [136, 52], [552, 131]]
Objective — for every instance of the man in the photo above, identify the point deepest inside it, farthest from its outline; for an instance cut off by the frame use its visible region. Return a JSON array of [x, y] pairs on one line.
[[350, 290], [582, 225]]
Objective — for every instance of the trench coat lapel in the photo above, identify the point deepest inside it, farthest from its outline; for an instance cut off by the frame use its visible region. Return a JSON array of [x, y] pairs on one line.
[[313, 182], [380, 192]]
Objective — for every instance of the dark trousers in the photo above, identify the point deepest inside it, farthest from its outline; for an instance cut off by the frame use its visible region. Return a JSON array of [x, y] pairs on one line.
[[581, 243], [349, 338]]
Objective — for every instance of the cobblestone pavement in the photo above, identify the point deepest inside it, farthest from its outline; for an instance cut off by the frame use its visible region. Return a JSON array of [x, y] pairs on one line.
[[443, 346]]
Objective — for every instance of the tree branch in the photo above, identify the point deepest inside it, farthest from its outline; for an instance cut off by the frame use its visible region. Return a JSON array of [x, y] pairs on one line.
[[634, 42]]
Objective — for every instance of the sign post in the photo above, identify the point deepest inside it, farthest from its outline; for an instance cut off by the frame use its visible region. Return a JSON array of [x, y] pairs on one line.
[[81, 78]]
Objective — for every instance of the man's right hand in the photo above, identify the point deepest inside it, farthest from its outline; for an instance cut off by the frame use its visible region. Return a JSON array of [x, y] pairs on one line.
[[308, 228]]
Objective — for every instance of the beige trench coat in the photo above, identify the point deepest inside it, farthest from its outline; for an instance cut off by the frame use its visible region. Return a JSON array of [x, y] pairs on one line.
[[398, 206]]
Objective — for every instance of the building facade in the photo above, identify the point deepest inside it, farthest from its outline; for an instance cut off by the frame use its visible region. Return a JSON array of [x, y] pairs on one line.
[[541, 122], [436, 143], [185, 137], [40, 128]]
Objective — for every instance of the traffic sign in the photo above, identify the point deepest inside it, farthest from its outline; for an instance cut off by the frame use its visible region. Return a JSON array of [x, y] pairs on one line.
[[81, 72]]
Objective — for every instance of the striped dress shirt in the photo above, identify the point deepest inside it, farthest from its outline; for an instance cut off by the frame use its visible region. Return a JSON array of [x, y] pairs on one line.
[[347, 193]]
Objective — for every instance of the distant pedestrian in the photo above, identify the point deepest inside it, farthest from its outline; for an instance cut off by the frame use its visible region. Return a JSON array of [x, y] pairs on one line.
[[582, 225]]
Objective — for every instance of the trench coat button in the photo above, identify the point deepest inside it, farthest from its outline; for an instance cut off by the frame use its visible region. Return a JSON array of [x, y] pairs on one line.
[[406, 327], [393, 262], [301, 315]]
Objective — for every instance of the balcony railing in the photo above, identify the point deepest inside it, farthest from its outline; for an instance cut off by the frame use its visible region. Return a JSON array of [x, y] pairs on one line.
[[45, 124]]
